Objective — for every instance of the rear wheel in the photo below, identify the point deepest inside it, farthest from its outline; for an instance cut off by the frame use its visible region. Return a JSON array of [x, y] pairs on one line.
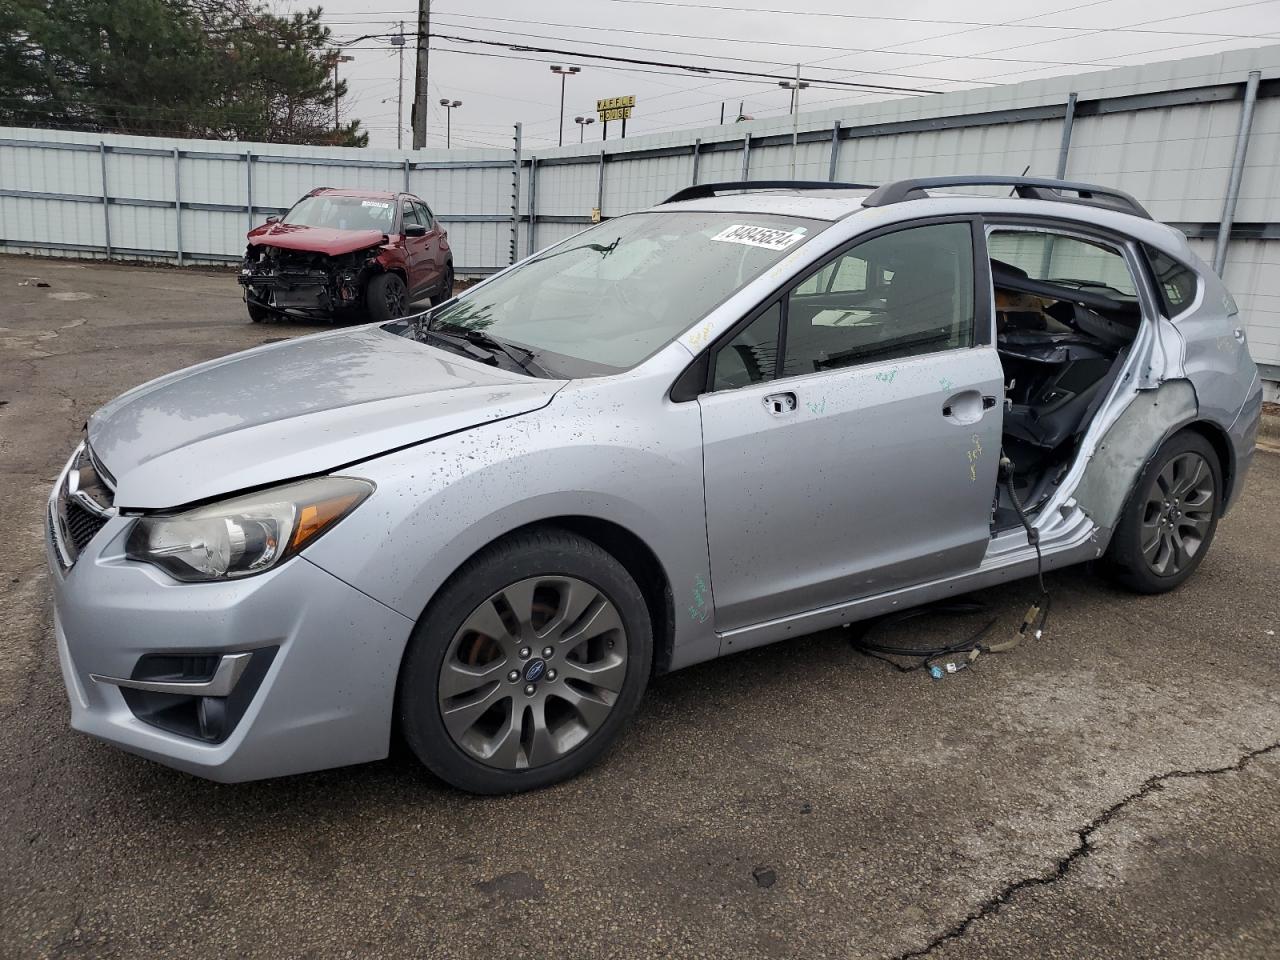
[[527, 665], [1172, 514], [386, 297], [446, 288]]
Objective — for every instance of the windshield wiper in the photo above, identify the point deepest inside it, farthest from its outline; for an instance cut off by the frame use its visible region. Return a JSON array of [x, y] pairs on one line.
[[460, 344], [528, 364]]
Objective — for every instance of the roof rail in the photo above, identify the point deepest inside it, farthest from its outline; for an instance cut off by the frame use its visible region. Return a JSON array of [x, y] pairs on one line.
[[700, 191], [1029, 188]]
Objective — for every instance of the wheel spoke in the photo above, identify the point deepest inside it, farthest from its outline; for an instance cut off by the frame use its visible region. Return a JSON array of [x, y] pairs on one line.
[[459, 719], [457, 678], [591, 709], [575, 597], [1197, 522], [484, 620], [540, 746], [1190, 470], [600, 618], [519, 597], [1160, 563], [504, 750], [609, 673]]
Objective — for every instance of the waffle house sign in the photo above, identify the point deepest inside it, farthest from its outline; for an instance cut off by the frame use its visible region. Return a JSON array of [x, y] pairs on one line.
[[615, 108]]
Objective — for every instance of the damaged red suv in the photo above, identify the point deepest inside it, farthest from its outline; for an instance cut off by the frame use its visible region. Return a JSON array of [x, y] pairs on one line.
[[340, 253]]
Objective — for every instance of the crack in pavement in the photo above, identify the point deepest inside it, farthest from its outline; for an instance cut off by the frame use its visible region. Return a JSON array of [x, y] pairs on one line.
[[1084, 846]]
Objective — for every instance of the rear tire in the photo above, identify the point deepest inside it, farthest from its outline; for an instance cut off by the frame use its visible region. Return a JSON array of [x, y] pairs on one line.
[[1170, 519], [446, 288], [497, 617], [386, 298]]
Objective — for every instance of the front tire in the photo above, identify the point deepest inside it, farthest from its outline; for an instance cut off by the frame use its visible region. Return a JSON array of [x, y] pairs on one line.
[[257, 314], [527, 664], [386, 298], [1170, 519]]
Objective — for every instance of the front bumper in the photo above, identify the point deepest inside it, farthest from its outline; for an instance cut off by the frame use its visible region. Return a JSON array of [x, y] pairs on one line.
[[325, 700]]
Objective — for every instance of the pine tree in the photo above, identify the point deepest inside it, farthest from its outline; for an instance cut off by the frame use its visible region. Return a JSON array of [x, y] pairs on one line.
[[219, 69]]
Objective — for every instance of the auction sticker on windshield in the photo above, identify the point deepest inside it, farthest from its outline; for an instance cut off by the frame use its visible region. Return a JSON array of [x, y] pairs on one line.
[[765, 237], [381, 204]]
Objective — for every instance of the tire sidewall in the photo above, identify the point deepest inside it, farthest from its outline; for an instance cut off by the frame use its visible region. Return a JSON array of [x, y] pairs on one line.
[[375, 302], [419, 709], [1125, 551], [446, 287]]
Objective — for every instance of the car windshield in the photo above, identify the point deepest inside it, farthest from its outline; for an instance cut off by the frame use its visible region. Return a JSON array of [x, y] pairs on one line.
[[615, 294], [342, 213]]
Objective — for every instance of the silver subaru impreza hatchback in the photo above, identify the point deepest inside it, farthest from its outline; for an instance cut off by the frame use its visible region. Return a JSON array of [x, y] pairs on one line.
[[748, 413]]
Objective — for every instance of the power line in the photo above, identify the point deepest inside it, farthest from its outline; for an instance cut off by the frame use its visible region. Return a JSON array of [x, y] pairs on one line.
[[692, 68], [779, 63], [1101, 61], [887, 51], [933, 20]]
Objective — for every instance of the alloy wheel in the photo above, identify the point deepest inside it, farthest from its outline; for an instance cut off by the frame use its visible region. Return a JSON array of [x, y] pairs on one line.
[[395, 298], [1178, 514], [533, 672]]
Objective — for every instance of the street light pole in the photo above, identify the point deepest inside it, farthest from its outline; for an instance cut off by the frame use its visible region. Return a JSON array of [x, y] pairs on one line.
[[582, 125], [795, 86], [337, 60], [448, 119], [563, 72]]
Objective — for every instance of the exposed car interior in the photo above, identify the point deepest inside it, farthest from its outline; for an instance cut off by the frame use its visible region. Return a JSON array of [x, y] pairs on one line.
[[1067, 312]]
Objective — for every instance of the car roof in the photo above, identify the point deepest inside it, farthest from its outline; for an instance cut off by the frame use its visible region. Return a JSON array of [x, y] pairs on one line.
[[828, 205], [838, 204], [353, 192]]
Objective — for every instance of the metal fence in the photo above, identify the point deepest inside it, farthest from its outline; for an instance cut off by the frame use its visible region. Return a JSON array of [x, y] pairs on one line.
[[1197, 140]]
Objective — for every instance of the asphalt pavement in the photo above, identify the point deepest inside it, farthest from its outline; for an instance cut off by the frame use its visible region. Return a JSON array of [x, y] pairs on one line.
[[1112, 790]]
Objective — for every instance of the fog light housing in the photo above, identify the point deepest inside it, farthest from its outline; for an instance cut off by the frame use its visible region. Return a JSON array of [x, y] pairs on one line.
[[206, 718]]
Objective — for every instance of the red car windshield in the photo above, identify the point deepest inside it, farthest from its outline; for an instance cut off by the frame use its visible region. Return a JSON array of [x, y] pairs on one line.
[[343, 213]]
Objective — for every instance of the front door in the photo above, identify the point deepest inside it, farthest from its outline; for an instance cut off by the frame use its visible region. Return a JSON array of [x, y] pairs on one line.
[[418, 252], [851, 429]]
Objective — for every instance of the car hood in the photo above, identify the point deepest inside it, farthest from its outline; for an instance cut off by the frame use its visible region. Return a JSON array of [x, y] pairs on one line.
[[332, 243], [294, 409]]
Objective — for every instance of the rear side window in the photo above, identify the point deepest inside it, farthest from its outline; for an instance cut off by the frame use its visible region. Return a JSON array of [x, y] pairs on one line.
[[1064, 260], [1175, 283]]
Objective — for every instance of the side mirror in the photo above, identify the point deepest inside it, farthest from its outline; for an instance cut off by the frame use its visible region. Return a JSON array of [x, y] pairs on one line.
[[414, 230], [274, 218]]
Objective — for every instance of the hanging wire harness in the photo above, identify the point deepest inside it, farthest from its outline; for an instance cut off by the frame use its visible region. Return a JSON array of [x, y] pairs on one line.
[[954, 657]]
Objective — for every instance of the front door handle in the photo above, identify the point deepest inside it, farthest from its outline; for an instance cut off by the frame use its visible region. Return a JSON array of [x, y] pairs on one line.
[[780, 404]]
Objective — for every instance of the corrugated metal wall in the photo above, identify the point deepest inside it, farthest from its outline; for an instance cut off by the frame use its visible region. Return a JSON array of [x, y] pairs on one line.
[[1166, 132]]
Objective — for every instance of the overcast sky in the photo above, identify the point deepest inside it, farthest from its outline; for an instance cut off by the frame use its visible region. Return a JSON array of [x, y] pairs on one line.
[[922, 44]]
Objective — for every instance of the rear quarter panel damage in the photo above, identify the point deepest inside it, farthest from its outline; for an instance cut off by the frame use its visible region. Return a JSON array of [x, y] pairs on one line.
[[1150, 417]]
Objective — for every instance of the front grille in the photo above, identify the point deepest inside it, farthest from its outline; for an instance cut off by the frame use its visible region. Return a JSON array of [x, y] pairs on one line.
[[82, 525], [81, 505]]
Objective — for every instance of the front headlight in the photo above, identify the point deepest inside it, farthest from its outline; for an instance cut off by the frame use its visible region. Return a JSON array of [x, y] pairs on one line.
[[246, 535]]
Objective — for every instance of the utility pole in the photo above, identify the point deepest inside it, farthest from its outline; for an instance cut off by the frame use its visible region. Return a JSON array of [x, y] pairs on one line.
[[420, 93], [398, 41]]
